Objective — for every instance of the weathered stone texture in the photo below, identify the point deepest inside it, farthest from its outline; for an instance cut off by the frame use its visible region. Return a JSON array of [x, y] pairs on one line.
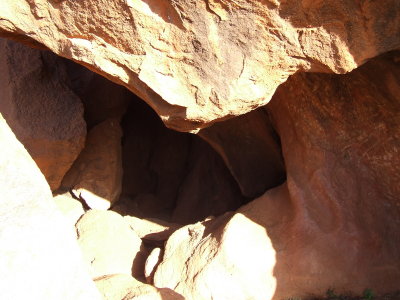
[[39, 256], [43, 112], [199, 61], [333, 224]]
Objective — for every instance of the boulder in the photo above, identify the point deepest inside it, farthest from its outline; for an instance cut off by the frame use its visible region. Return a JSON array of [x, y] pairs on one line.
[[195, 62], [39, 256], [109, 245], [125, 287], [96, 175], [333, 224], [43, 112], [71, 208]]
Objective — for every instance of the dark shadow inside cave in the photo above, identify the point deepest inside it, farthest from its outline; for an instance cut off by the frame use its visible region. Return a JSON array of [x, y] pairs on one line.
[[181, 177], [171, 175]]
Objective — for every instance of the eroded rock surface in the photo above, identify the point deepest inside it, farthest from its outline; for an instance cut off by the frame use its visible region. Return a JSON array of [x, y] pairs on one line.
[[335, 223], [251, 150], [43, 112], [109, 245], [96, 176], [39, 257], [199, 61]]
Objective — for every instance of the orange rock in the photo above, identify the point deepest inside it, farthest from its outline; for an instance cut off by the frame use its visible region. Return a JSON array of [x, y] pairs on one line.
[[43, 112], [109, 245], [334, 224], [96, 175], [196, 62]]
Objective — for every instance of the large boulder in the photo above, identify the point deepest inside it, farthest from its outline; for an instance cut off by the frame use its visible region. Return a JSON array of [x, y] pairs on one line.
[[43, 112], [39, 256], [199, 61], [334, 224]]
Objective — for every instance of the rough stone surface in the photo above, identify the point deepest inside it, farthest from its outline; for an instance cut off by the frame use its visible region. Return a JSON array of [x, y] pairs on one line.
[[334, 224], [43, 112], [251, 150], [39, 257], [124, 287], [199, 61], [96, 175], [71, 208], [109, 245]]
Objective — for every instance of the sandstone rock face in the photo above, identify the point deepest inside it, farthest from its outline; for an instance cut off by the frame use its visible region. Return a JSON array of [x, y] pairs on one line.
[[43, 112], [39, 257], [96, 175], [109, 245], [251, 150], [199, 61], [333, 224]]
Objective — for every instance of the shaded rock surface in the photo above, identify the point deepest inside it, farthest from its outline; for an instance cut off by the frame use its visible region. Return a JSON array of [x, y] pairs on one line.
[[333, 224], [251, 150], [199, 61], [43, 112], [109, 245], [96, 175], [39, 257], [102, 99], [170, 175]]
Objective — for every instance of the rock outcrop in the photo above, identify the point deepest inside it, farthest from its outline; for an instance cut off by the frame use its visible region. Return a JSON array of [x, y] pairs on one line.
[[199, 61], [39, 256], [333, 224], [41, 109]]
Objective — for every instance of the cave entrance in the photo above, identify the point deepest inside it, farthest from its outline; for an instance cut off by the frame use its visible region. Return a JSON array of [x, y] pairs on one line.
[[169, 175]]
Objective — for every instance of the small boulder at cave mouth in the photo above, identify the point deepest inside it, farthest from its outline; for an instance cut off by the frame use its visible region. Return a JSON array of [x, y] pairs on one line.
[[96, 175], [109, 245]]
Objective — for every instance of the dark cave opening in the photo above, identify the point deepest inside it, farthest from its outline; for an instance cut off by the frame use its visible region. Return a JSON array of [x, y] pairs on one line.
[[181, 177]]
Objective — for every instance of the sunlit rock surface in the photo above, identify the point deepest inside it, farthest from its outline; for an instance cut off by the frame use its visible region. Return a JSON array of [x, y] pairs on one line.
[[335, 223], [39, 256], [199, 61]]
